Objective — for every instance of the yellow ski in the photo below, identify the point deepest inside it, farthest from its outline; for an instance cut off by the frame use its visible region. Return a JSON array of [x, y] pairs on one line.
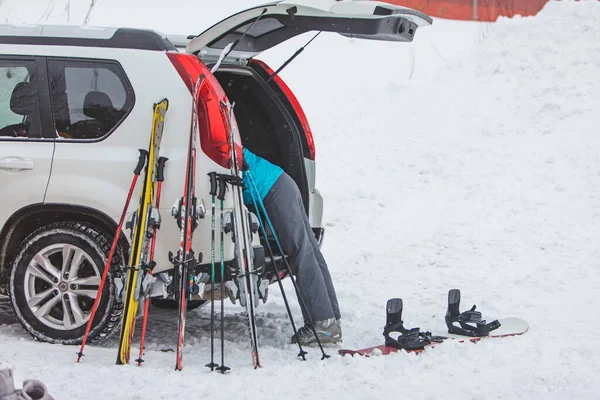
[[142, 225]]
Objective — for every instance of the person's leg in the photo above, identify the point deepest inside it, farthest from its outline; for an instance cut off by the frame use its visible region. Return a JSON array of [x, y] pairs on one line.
[[324, 270], [286, 214]]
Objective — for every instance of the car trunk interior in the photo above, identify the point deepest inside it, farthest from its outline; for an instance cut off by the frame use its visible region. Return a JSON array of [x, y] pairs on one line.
[[266, 127]]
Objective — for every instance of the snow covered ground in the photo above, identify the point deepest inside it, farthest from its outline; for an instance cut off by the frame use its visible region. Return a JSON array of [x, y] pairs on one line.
[[469, 158]]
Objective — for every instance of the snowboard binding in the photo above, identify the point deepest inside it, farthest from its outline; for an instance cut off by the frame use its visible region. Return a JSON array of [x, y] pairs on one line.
[[471, 322], [410, 339]]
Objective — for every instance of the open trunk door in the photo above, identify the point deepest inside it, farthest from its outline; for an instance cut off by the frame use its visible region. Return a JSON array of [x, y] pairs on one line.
[[271, 24]]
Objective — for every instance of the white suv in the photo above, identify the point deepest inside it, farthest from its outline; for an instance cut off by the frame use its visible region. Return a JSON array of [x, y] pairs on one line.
[[76, 105]]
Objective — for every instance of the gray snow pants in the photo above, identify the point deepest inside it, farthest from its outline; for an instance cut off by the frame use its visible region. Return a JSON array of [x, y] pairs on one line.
[[286, 211]]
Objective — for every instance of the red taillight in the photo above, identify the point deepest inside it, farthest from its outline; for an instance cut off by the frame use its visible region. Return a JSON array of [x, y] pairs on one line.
[[212, 117], [295, 105], [188, 66]]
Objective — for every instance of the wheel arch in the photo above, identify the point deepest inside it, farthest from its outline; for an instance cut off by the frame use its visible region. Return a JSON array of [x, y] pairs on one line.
[[26, 220]]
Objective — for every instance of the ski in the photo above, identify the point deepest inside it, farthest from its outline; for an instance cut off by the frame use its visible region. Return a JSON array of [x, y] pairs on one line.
[[186, 213], [246, 276], [143, 224], [148, 281]]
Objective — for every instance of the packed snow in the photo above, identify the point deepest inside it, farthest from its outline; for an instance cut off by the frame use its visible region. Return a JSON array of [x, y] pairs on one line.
[[467, 159]]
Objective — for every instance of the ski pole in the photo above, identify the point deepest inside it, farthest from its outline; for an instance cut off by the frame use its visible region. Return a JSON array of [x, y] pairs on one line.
[[244, 259], [160, 177], [136, 173], [221, 197], [213, 193], [287, 264], [287, 306]]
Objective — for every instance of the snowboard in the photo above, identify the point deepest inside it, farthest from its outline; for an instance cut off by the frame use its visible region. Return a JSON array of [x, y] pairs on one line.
[[510, 326]]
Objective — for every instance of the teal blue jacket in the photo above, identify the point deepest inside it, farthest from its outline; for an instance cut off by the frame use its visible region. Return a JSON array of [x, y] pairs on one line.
[[264, 175]]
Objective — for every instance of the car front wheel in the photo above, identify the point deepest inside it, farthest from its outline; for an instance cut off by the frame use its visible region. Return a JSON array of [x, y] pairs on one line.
[[54, 282]]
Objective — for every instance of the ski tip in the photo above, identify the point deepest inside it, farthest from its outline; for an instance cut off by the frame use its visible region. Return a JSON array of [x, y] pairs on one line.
[[164, 101]]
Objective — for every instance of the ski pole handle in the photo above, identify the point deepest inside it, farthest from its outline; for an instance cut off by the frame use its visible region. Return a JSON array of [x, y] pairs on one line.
[[160, 171], [213, 183], [141, 161], [222, 187]]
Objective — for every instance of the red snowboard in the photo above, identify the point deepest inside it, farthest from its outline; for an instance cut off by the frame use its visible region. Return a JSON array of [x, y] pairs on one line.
[[508, 327]]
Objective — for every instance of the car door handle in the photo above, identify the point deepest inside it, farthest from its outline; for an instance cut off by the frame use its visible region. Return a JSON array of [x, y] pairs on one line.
[[16, 163]]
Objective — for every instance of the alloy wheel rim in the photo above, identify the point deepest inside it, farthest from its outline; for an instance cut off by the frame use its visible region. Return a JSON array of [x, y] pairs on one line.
[[61, 283]]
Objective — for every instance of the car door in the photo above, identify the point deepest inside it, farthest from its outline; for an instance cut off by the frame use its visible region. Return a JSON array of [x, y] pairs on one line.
[[90, 99], [25, 154], [262, 27]]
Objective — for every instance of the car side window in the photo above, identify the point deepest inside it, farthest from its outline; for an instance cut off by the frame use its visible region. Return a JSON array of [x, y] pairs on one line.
[[89, 98], [19, 101]]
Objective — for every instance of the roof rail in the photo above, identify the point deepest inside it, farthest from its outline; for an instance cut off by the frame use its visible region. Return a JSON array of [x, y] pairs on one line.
[[71, 35], [180, 41]]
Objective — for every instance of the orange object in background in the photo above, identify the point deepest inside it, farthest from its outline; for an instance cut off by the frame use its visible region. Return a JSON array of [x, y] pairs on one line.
[[474, 10]]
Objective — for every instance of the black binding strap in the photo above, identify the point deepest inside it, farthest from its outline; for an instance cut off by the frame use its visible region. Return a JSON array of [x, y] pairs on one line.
[[410, 339], [471, 322]]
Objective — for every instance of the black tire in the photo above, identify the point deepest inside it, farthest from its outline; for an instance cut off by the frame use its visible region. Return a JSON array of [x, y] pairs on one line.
[[78, 240], [172, 304]]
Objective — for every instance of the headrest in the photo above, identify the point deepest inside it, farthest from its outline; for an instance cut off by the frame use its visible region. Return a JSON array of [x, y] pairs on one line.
[[23, 98], [97, 105]]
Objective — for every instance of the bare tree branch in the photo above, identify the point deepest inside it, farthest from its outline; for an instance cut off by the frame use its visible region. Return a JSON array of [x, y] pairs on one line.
[[87, 17], [412, 66], [68, 10]]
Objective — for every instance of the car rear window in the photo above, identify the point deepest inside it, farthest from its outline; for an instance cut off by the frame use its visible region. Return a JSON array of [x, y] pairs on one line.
[[89, 98], [261, 27]]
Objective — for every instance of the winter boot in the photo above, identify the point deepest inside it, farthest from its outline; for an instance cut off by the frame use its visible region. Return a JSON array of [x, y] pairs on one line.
[[327, 330], [7, 385], [32, 389]]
